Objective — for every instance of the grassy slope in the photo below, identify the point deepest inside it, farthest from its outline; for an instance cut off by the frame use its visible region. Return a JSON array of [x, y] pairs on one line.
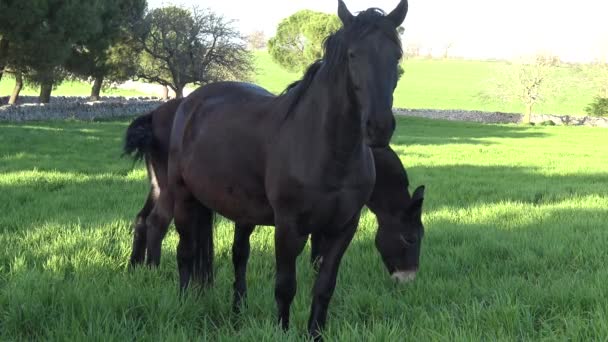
[[434, 84], [456, 84], [452, 84], [515, 246]]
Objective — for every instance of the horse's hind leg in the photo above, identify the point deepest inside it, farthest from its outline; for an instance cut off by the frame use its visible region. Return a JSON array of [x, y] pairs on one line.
[[240, 256], [157, 224], [194, 223], [138, 252], [316, 250]]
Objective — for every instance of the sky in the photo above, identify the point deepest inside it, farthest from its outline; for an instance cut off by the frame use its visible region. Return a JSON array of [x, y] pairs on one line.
[[573, 30]]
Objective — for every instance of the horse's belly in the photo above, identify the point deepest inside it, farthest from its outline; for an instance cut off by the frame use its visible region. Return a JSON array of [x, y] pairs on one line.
[[329, 212], [346, 205], [242, 203]]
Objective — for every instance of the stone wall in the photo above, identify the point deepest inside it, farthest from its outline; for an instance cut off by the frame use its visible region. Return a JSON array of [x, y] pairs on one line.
[[78, 108], [110, 107], [503, 118]]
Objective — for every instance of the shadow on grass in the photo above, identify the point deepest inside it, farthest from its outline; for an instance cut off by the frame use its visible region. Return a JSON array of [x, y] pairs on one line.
[[441, 132], [465, 185], [72, 146]]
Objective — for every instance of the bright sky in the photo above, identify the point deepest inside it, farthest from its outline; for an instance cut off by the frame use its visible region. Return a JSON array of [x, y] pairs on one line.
[[574, 30]]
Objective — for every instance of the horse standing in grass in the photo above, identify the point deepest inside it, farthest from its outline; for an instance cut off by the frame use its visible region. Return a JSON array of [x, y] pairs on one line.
[[301, 162], [400, 229]]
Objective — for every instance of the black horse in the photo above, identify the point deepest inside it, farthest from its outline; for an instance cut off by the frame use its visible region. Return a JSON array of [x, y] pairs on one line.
[[397, 213], [301, 162]]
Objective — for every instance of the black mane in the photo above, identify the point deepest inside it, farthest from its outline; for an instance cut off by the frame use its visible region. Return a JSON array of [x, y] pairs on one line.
[[334, 50]]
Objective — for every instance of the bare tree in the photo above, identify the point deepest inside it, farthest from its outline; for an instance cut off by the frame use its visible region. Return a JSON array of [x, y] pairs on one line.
[[527, 80], [181, 46], [256, 40], [446, 49], [412, 49]]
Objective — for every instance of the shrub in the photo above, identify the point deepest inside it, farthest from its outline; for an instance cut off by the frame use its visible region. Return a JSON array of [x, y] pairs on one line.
[[599, 107]]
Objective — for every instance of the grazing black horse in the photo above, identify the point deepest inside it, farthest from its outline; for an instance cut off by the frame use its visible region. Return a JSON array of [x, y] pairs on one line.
[[301, 161], [400, 229]]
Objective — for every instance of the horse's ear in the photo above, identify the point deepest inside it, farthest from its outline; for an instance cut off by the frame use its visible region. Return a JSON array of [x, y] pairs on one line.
[[417, 199], [344, 14], [397, 16]]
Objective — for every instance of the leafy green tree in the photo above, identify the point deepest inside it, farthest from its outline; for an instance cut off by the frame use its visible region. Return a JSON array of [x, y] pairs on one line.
[[108, 55], [299, 38], [41, 35], [181, 46]]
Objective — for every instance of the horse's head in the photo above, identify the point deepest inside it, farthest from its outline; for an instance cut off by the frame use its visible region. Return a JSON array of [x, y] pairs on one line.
[[373, 51], [399, 240]]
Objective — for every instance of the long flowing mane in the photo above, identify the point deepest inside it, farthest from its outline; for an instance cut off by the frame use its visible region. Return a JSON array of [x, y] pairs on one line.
[[335, 51]]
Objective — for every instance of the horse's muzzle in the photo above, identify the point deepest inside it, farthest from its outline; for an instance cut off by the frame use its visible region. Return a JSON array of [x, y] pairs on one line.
[[404, 276]]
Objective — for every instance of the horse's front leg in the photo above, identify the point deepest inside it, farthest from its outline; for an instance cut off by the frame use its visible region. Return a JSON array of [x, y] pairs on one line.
[[333, 250], [240, 256], [288, 244]]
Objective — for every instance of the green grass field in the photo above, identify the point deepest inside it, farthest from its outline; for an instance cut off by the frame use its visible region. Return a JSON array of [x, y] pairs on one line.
[[515, 245], [432, 84]]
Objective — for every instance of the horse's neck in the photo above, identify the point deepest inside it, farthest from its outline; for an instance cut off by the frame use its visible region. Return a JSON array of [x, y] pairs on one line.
[[334, 116]]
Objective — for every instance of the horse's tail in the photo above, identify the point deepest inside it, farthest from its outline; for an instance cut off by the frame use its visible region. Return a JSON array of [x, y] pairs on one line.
[[139, 139]]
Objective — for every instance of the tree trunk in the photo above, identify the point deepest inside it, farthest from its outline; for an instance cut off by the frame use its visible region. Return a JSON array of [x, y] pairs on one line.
[[528, 114], [179, 92], [165, 93], [3, 53], [96, 90], [45, 92], [16, 89]]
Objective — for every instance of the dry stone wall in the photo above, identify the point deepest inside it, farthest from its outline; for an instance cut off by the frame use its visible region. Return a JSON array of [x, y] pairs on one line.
[[111, 107], [503, 118]]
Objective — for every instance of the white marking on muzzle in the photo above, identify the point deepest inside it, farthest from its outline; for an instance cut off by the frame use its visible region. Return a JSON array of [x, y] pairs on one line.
[[404, 276]]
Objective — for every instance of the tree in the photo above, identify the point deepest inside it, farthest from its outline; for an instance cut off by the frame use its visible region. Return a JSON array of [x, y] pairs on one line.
[[412, 49], [597, 74], [41, 35], [181, 47], [446, 49], [527, 81], [256, 40], [3, 53], [299, 38], [107, 55]]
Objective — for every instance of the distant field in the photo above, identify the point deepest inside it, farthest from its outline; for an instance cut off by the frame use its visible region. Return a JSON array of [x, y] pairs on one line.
[[452, 84], [67, 88], [515, 245], [432, 84]]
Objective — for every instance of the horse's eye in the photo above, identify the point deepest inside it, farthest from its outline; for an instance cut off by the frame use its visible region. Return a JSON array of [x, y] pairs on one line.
[[408, 240]]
